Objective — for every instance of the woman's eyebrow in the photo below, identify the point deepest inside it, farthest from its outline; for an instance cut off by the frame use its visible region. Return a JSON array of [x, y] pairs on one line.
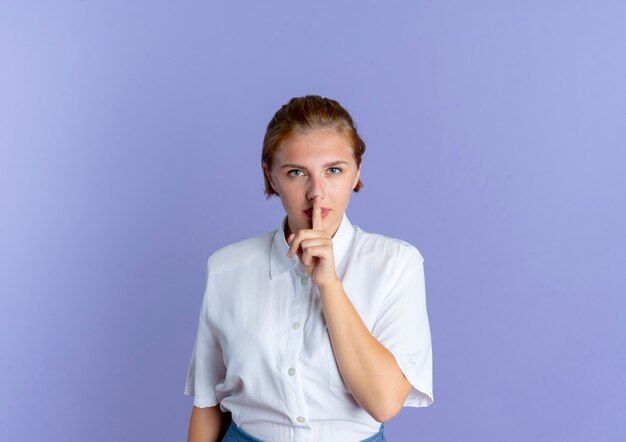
[[298, 166], [335, 163], [294, 166]]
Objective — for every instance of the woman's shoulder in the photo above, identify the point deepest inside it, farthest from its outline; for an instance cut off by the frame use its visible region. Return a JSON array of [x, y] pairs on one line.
[[240, 253], [385, 245]]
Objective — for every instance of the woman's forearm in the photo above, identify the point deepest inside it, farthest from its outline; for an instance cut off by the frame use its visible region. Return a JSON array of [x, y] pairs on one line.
[[370, 371], [205, 424]]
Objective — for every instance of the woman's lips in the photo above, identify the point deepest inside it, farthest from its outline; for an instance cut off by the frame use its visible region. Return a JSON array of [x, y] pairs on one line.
[[309, 212]]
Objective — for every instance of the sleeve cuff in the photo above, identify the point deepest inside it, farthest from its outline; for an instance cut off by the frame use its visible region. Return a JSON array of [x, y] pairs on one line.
[[201, 402], [421, 394]]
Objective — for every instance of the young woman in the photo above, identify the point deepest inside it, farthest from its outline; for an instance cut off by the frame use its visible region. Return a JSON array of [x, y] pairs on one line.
[[317, 331]]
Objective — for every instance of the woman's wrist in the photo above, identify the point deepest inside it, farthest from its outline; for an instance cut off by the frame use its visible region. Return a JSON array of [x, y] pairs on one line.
[[330, 286]]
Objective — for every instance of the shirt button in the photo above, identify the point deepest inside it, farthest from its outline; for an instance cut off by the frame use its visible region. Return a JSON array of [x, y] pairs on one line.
[[304, 280], [295, 325], [291, 371], [300, 419]]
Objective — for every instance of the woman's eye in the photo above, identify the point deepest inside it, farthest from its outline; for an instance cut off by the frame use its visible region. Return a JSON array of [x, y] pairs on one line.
[[295, 172], [334, 170]]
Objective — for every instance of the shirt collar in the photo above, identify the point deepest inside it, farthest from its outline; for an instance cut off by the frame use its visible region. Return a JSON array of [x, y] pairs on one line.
[[280, 263]]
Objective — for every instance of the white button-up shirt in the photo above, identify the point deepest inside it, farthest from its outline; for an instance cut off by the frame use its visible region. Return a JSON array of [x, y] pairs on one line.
[[263, 350]]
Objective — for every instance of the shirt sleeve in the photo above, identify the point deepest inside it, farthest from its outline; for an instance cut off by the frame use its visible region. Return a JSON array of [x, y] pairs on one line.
[[206, 368], [402, 325]]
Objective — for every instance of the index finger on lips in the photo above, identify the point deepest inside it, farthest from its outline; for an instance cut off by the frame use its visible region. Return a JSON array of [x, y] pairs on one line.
[[317, 214]]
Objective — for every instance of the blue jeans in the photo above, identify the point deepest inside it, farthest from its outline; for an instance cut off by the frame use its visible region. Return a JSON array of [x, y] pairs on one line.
[[236, 434]]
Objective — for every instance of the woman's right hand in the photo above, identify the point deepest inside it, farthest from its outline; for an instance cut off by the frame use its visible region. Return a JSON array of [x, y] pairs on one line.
[[314, 248]]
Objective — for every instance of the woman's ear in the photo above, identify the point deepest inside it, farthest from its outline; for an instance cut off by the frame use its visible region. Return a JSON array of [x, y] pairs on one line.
[[357, 177], [266, 171]]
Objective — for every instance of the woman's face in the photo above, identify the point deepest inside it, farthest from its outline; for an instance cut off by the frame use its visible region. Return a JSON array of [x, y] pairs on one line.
[[314, 164]]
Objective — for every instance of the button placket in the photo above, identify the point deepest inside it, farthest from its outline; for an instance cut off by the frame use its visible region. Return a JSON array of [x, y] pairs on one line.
[[300, 305]]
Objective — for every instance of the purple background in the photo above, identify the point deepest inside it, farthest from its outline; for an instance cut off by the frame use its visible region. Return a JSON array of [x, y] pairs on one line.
[[130, 137]]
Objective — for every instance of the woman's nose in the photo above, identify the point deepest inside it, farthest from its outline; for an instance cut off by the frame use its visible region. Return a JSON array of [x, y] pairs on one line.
[[316, 188]]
